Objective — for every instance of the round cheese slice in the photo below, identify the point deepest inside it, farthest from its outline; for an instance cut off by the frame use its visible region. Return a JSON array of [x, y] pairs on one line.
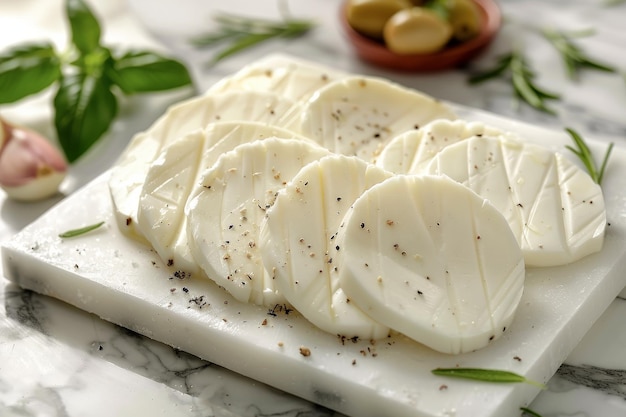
[[298, 242], [411, 151], [227, 207], [290, 78], [358, 115], [431, 259], [129, 172], [554, 208], [172, 177]]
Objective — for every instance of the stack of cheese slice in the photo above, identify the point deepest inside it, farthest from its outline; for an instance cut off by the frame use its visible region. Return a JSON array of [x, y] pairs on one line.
[[362, 204]]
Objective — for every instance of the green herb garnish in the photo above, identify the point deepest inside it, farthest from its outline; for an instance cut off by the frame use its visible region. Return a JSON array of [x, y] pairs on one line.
[[240, 33], [530, 412], [485, 375], [573, 55], [440, 7], [583, 153], [522, 79], [88, 75], [80, 231]]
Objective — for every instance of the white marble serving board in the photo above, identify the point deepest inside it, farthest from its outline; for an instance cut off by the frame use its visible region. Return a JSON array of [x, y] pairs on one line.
[[122, 281]]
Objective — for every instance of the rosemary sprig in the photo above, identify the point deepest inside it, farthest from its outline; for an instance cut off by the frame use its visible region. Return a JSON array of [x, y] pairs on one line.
[[485, 375], [573, 55], [522, 78], [583, 153], [80, 231], [241, 33], [530, 412]]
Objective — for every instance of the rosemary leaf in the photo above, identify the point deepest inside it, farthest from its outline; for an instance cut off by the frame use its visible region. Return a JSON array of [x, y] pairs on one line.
[[522, 79], [241, 33], [573, 56], [501, 66], [530, 412], [585, 155], [240, 44], [485, 375], [80, 231]]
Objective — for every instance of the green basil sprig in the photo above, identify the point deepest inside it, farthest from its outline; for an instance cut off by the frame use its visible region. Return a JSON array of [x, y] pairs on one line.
[[89, 77]]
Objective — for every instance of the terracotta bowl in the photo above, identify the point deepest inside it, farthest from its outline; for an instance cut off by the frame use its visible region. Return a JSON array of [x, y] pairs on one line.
[[376, 53]]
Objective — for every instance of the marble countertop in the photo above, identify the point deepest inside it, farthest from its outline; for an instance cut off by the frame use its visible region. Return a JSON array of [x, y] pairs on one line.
[[56, 360]]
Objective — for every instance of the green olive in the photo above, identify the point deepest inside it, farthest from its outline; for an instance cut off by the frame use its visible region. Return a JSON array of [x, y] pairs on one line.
[[369, 16], [416, 31], [465, 19]]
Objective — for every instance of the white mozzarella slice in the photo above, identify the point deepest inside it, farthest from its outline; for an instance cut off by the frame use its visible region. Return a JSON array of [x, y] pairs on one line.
[[226, 210], [554, 208], [129, 172], [298, 242], [411, 151], [172, 176], [359, 115], [431, 259], [287, 77]]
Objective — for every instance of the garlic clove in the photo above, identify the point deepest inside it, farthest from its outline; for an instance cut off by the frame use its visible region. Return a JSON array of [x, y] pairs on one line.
[[30, 167]]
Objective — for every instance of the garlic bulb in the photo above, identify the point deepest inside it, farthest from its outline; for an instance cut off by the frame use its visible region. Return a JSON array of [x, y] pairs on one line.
[[30, 167]]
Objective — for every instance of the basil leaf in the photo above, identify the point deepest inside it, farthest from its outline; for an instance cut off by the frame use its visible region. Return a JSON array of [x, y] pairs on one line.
[[144, 71], [84, 109], [84, 26], [94, 62], [26, 70]]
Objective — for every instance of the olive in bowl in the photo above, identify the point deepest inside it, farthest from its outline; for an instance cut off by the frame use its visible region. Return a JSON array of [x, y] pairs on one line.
[[420, 36]]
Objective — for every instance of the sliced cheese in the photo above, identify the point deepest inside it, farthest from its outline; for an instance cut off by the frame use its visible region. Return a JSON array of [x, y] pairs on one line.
[[298, 242], [226, 210], [129, 172], [294, 80], [172, 176], [554, 208], [411, 151], [431, 259], [358, 115]]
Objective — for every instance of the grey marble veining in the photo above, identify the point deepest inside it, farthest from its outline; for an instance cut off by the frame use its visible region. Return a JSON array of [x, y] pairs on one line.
[[59, 327], [610, 381]]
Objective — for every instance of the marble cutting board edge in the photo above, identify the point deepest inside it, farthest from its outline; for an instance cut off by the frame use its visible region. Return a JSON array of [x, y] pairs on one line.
[[124, 282]]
